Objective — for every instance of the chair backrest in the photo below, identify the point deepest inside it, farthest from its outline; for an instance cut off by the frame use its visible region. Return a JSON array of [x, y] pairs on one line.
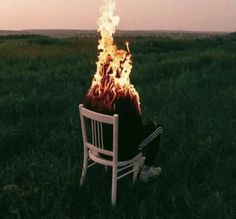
[[93, 124]]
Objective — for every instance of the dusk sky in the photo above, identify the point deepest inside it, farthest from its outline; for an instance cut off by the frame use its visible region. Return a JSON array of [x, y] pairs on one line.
[[197, 15]]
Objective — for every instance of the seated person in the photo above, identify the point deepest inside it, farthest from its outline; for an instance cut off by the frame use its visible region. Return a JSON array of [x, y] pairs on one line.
[[132, 130], [110, 93]]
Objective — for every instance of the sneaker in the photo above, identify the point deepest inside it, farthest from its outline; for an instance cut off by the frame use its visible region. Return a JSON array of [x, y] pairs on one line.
[[148, 173]]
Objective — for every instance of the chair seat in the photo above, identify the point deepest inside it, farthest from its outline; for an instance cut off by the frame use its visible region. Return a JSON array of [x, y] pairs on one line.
[[93, 155]]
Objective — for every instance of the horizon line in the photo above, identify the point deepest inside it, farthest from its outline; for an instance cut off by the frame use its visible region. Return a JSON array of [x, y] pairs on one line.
[[128, 30]]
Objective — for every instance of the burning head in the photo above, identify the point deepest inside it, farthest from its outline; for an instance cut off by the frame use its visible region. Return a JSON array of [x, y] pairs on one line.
[[111, 81]]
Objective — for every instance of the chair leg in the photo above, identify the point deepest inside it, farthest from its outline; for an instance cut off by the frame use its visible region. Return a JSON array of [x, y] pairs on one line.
[[84, 170], [114, 186]]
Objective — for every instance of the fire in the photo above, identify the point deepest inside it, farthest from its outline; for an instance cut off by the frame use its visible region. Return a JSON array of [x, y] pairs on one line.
[[111, 80]]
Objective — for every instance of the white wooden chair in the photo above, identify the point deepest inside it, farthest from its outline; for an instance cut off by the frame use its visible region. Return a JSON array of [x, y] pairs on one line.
[[94, 151]]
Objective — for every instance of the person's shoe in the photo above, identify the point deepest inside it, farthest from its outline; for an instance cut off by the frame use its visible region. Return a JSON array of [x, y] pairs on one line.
[[148, 173]]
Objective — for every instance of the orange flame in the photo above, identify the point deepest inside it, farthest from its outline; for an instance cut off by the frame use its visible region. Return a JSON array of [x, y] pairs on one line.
[[111, 80]]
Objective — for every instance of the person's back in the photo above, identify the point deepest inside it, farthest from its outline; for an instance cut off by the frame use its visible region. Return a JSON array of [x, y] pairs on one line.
[[130, 125]]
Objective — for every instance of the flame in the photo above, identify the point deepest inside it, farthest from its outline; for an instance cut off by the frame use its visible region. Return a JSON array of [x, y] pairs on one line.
[[111, 80]]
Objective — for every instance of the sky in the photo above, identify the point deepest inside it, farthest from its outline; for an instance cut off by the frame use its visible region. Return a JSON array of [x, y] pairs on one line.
[[191, 15]]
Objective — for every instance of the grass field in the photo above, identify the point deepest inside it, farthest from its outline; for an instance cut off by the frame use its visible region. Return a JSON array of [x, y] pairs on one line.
[[188, 85]]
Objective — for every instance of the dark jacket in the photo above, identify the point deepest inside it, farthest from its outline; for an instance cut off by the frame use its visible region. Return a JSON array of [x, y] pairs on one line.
[[130, 127]]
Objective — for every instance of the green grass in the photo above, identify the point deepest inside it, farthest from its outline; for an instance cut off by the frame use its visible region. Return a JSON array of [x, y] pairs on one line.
[[189, 85]]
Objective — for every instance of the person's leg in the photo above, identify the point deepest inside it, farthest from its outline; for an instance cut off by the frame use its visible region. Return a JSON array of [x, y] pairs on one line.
[[150, 151]]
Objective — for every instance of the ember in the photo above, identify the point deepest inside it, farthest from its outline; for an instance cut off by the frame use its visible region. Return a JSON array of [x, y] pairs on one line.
[[111, 81]]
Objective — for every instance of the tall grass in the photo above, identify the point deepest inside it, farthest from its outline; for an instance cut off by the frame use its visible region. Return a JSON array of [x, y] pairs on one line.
[[188, 85]]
